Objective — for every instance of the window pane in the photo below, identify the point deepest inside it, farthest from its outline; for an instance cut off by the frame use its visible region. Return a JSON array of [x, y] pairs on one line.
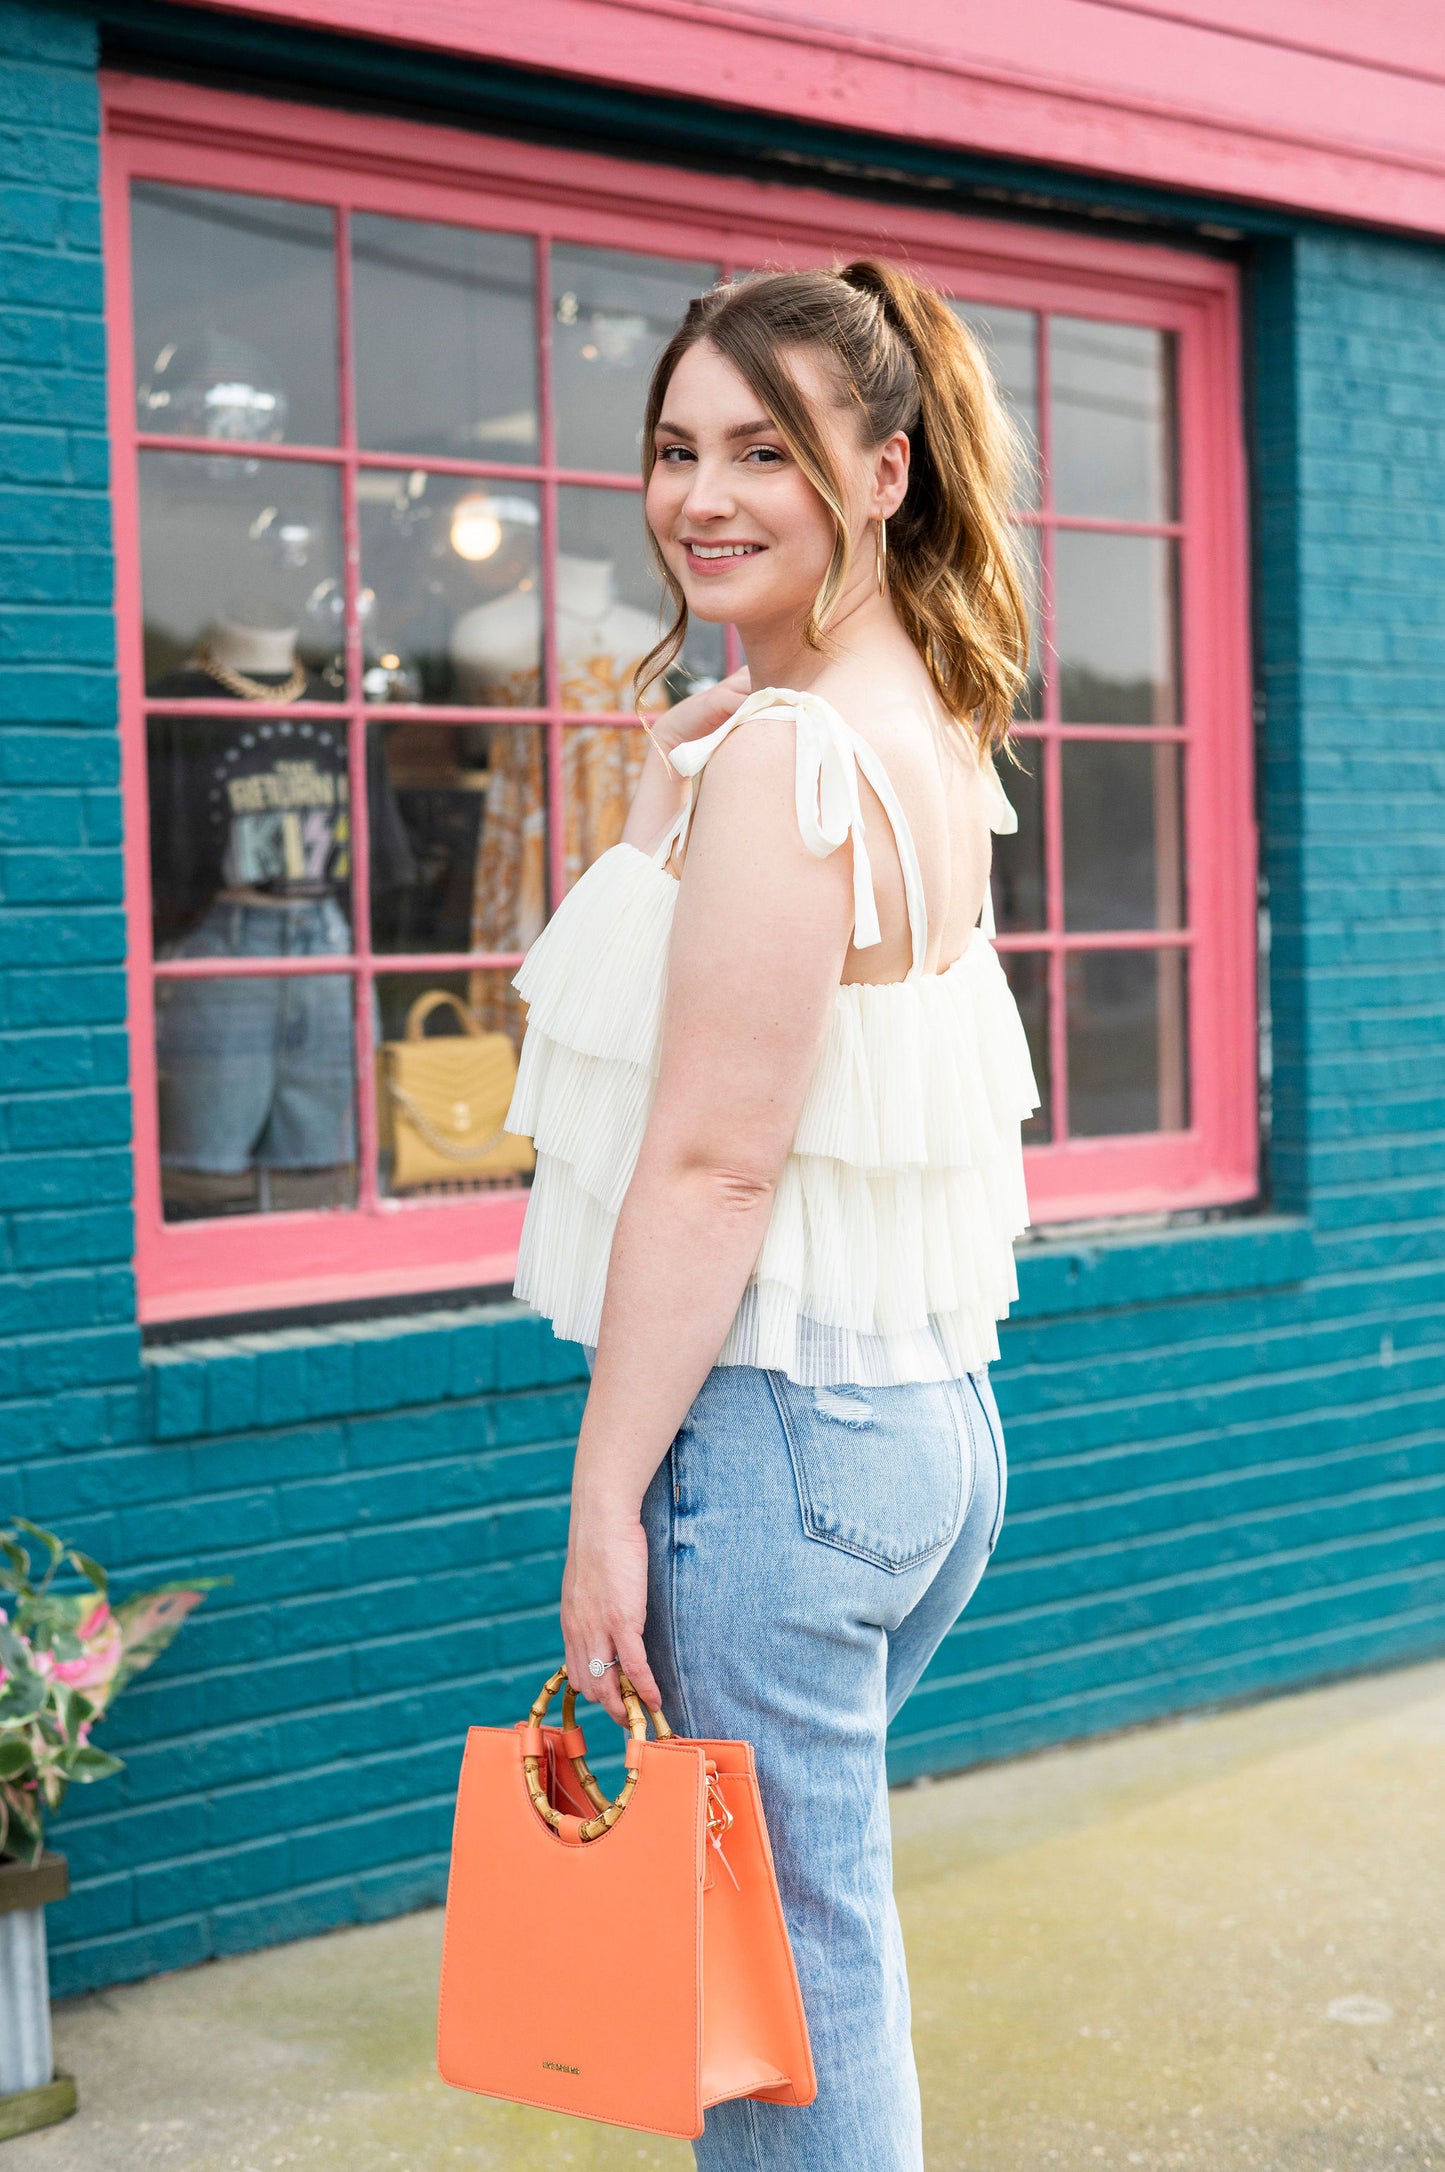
[[1018, 860], [1112, 394], [1028, 976], [611, 317], [1114, 623], [609, 602], [1128, 1041], [445, 1073], [240, 573], [250, 834], [509, 890], [601, 764], [452, 589], [1010, 339], [1123, 835], [438, 779], [235, 316], [255, 1077], [1028, 557], [468, 387]]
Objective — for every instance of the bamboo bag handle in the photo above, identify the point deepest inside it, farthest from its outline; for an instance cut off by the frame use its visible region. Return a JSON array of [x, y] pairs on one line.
[[608, 1812]]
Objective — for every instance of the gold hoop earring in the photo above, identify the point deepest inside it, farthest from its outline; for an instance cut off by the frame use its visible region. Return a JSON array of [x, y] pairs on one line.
[[881, 556]]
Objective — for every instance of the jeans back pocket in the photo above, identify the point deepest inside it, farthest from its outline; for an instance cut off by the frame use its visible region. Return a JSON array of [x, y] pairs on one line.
[[883, 1473]]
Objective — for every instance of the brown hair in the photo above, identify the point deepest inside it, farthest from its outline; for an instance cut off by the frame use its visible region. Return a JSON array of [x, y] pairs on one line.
[[906, 362]]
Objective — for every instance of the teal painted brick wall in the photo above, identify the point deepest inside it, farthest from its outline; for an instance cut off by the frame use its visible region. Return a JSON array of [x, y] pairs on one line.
[[1227, 1445]]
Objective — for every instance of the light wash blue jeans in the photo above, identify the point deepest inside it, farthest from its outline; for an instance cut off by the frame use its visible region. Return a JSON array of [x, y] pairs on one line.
[[809, 1549]]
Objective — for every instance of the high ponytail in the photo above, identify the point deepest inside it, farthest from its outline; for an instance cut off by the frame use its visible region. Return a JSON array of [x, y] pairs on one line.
[[907, 363], [955, 580]]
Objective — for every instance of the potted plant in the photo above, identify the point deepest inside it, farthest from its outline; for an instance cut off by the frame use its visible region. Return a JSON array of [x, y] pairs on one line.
[[65, 1655]]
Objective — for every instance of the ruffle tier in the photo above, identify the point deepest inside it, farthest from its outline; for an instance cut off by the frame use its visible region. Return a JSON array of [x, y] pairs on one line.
[[889, 1250]]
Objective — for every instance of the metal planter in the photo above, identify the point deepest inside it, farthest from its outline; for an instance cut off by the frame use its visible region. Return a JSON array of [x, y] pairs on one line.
[[31, 2093]]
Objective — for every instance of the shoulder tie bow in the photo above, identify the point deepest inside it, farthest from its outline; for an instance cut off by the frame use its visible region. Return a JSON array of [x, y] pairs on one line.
[[828, 806]]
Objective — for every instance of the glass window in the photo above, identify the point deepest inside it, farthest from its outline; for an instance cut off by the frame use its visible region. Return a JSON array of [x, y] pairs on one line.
[[234, 313], [1112, 442], [390, 588], [451, 598], [241, 585], [1098, 860], [1010, 339], [468, 388], [611, 317], [272, 773]]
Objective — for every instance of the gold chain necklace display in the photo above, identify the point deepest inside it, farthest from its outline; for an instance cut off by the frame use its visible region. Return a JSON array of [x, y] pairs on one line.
[[236, 682]]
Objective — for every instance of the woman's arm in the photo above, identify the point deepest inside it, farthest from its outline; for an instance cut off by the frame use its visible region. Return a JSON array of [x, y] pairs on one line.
[[759, 939]]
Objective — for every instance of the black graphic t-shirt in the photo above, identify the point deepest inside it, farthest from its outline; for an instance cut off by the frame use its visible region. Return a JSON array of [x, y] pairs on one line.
[[260, 804]]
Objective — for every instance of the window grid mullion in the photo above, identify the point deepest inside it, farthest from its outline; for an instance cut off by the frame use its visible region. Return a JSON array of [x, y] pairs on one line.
[[1056, 961], [555, 814], [732, 644], [359, 853], [433, 463]]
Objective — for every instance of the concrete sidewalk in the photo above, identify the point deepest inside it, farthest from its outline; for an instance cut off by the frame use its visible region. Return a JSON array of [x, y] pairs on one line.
[[1214, 1943]]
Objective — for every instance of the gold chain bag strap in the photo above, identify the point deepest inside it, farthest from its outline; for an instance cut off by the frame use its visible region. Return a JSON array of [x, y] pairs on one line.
[[446, 1100]]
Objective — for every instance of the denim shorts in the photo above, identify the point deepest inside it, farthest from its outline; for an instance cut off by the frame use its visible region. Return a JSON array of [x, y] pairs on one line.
[[258, 1072]]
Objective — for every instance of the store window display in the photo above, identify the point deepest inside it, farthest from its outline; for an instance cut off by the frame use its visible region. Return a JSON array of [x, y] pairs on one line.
[[251, 858], [601, 640], [394, 588]]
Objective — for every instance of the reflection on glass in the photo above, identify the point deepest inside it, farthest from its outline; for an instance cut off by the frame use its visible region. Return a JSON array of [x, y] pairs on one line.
[[1027, 972], [438, 776], [255, 1077], [235, 316], [1112, 390], [253, 812], [608, 601], [609, 605], [1009, 338], [1128, 1041], [468, 387], [1018, 858], [445, 1070], [1028, 559], [450, 567], [1123, 835], [241, 577], [601, 764], [509, 881], [611, 317], [1114, 628]]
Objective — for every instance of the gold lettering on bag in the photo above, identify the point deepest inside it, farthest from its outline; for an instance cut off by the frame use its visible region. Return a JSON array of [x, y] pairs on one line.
[[558, 2068]]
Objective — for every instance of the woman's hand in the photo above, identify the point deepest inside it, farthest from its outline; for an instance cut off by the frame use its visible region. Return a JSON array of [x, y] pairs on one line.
[[700, 713], [604, 1606]]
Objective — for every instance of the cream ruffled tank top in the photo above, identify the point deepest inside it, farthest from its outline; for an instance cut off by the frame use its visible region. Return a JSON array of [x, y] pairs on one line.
[[889, 1251]]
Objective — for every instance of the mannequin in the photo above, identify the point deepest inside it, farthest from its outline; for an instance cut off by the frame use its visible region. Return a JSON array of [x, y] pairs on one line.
[[265, 651], [496, 648], [251, 843], [495, 652]]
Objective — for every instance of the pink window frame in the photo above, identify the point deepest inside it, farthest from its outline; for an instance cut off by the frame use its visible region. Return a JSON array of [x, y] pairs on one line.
[[170, 132]]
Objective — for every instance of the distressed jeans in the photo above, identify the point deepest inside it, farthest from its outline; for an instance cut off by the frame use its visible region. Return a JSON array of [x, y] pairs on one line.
[[809, 1548]]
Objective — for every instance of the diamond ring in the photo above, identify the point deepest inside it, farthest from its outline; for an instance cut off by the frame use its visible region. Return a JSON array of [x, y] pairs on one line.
[[599, 1666]]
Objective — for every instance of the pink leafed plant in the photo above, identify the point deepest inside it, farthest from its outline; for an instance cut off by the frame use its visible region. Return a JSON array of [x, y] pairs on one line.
[[65, 1656]]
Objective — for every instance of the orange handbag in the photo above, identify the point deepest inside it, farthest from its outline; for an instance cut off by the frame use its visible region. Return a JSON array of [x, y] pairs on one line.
[[626, 1961]]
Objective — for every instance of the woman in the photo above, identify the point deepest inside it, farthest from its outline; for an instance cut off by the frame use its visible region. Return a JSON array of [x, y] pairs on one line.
[[775, 1077]]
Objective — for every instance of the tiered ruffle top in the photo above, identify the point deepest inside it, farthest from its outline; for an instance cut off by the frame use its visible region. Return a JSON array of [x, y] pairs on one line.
[[889, 1251]]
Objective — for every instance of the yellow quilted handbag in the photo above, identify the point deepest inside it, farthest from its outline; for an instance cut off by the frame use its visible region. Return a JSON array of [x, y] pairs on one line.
[[445, 1101]]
